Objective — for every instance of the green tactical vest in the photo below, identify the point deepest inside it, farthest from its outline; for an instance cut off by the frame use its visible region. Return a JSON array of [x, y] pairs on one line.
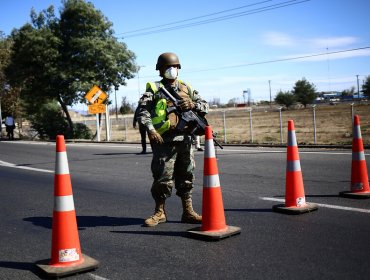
[[160, 119]]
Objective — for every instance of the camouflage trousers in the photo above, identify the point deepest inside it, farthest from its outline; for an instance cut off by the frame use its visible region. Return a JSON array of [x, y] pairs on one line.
[[172, 166]]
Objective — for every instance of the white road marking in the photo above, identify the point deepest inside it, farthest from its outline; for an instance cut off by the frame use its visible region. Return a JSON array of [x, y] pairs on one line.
[[96, 277], [12, 165], [361, 210]]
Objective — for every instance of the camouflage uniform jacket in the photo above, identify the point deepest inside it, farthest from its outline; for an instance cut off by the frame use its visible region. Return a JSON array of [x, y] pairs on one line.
[[148, 102]]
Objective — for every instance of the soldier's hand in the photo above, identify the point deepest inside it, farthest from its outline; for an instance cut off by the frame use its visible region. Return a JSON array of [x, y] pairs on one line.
[[155, 136], [186, 104]]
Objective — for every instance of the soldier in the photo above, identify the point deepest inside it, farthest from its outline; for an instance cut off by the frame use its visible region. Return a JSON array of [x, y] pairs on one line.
[[173, 157]]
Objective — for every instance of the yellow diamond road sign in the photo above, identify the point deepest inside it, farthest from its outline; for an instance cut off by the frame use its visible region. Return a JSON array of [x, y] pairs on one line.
[[96, 95]]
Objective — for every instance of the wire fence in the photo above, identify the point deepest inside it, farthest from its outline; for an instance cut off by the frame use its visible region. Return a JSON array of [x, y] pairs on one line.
[[321, 124]]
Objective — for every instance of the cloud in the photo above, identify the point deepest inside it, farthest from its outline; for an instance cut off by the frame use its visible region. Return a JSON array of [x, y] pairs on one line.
[[332, 56], [278, 39], [333, 42]]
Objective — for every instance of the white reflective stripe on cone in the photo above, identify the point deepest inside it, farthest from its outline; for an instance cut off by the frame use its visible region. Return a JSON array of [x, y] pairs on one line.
[[61, 166], [211, 181], [292, 140], [293, 165], [64, 203], [209, 149], [357, 132], [358, 155]]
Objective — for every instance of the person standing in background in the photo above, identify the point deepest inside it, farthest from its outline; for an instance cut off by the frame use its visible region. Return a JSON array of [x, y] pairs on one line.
[[10, 126], [142, 130]]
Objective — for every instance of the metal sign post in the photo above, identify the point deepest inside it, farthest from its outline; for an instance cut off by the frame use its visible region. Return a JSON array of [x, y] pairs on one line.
[[107, 128], [97, 128]]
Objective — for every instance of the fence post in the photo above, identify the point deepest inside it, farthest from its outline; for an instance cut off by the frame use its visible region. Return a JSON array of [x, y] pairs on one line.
[[224, 117], [314, 123], [352, 113], [251, 123], [125, 122], [281, 125]]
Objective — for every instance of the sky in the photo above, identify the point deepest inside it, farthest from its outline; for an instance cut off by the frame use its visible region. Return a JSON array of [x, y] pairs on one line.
[[235, 49]]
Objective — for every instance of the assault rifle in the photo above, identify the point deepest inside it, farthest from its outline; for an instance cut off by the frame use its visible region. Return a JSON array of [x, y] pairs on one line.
[[188, 120]]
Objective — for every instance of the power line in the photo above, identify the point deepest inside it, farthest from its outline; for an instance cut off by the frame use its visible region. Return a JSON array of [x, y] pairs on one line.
[[281, 60], [190, 19], [272, 61], [235, 15]]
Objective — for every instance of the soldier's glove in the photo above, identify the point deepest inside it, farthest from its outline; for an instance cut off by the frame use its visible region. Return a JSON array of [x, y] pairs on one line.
[[186, 104], [155, 136]]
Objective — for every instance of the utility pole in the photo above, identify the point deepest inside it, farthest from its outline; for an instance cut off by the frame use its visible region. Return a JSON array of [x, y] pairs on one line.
[[138, 79], [358, 89]]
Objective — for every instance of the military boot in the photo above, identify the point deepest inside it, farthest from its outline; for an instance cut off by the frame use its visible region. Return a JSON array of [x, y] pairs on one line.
[[189, 215], [159, 215]]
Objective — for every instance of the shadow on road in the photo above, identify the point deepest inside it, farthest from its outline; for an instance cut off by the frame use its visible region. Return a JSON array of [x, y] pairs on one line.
[[154, 232], [313, 195], [88, 221], [119, 154], [250, 210], [22, 266]]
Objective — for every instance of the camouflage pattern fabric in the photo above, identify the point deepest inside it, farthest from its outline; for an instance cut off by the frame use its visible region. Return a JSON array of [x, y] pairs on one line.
[[173, 166], [173, 162]]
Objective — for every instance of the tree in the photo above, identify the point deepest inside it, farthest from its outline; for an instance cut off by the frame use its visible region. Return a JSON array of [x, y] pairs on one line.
[[285, 98], [232, 102], [126, 107], [304, 92], [215, 102], [60, 59], [366, 87], [9, 97], [4, 59], [348, 92]]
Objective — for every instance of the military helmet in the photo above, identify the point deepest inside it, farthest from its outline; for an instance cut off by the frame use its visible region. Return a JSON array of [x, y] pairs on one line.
[[167, 59]]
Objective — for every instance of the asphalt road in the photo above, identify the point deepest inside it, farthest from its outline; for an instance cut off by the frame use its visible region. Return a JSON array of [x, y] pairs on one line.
[[111, 185]]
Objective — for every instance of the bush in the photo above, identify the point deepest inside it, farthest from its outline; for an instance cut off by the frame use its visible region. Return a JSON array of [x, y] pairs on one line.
[[81, 131], [49, 122]]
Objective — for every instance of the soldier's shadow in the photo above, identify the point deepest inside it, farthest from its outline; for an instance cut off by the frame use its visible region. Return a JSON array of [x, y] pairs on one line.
[[153, 232]]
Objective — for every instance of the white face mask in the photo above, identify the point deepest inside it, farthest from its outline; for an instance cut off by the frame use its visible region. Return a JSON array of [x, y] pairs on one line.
[[171, 73]]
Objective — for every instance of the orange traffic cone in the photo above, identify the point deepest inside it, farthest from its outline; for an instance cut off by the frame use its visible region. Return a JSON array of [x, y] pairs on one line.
[[359, 177], [66, 255], [295, 200], [213, 218]]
